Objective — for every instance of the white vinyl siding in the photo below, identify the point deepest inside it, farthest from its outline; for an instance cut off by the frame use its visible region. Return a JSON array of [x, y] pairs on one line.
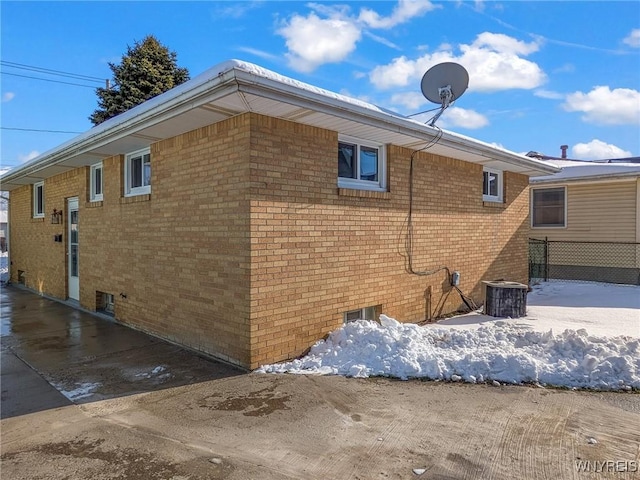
[[597, 212]]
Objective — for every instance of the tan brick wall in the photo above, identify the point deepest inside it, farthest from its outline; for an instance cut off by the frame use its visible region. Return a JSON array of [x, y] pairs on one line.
[[33, 249], [179, 256], [318, 251], [247, 250]]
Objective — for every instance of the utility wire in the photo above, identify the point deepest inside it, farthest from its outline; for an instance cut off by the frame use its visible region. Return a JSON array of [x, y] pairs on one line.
[[48, 80], [37, 130], [50, 71]]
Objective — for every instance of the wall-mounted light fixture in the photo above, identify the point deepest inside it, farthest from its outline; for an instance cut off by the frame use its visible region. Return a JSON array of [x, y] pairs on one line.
[[56, 216]]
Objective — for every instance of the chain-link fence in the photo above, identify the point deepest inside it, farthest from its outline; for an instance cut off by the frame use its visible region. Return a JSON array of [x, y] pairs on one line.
[[610, 262]]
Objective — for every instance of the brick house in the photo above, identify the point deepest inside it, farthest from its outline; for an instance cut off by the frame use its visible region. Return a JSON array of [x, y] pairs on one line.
[[245, 215]]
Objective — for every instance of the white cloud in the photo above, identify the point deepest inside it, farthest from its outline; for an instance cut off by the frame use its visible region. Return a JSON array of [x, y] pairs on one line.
[[603, 106], [258, 53], [410, 100], [313, 41], [548, 94], [382, 40], [566, 68], [235, 10], [29, 156], [633, 39], [455, 117], [463, 118], [8, 96], [597, 150], [494, 62], [405, 10], [329, 33]]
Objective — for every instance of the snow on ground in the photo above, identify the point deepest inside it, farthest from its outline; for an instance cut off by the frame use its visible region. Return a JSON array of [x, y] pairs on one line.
[[597, 344], [600, 308], [83, 390]]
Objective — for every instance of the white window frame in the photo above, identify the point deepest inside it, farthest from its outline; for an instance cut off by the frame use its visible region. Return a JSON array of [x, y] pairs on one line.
[[38, 212], [93, 196], [531, 202], [130, 191], [500, 179], [362, 313], [354, 183]]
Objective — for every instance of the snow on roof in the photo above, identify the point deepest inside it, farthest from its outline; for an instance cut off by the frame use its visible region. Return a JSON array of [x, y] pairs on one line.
[[584, 170], [232, 72]]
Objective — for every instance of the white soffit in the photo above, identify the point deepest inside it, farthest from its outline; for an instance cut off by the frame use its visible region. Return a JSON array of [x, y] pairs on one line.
[[236, 87]]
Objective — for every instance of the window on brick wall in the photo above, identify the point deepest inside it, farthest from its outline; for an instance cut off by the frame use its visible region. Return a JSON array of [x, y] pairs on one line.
[[367, 313], [492, 185], [549, 207], [38, 200], [95, 187], [361, 165], [137, 173]]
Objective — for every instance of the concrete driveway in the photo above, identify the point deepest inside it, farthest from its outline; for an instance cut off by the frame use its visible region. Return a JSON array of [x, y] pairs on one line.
[[124, 417], [53, 355]]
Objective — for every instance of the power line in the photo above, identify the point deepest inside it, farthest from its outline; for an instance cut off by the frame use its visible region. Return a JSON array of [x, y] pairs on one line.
[[37, 130], [50, 71], [48, 80]]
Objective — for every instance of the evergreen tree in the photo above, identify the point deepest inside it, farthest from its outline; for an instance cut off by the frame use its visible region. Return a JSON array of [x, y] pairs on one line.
[[146, 70]]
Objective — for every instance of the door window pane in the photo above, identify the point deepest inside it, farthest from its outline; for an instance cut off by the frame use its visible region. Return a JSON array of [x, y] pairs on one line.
[[74, 260]]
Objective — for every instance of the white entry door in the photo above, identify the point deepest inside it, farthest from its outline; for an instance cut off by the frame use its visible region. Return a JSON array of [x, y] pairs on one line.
[[72, 252]]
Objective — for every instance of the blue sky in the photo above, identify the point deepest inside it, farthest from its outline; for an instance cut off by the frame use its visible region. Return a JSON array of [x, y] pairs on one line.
[[542, 74]]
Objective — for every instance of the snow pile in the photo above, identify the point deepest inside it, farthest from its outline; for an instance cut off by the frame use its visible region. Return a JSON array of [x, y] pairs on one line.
[[499, 351]]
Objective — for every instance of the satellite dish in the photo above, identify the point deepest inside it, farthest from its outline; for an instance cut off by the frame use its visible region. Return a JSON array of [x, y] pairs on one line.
[[443, 83]]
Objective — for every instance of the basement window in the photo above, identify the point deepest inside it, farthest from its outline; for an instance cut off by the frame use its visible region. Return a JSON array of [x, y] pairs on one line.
[[361, 165], [38, 200], [137, 172], [105, 303], [366, 313]]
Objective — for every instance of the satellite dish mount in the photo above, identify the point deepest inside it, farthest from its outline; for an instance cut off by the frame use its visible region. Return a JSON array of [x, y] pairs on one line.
[[443, 84]]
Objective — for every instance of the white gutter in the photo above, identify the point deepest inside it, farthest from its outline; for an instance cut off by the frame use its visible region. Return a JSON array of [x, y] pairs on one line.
[[377, 118], [121, 125], [587, 178], [240, 76]]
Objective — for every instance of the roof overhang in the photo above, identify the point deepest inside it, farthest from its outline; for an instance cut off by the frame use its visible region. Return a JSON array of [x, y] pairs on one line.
[[236, 87], [601, 178]]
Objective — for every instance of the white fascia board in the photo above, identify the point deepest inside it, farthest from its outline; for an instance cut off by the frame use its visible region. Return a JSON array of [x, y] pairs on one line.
[[613, 177], [367, 114], [224, 79], [166, 105]]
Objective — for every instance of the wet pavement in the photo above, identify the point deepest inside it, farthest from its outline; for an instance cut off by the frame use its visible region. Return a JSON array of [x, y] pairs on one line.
[[195, 419], [54, 355]]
